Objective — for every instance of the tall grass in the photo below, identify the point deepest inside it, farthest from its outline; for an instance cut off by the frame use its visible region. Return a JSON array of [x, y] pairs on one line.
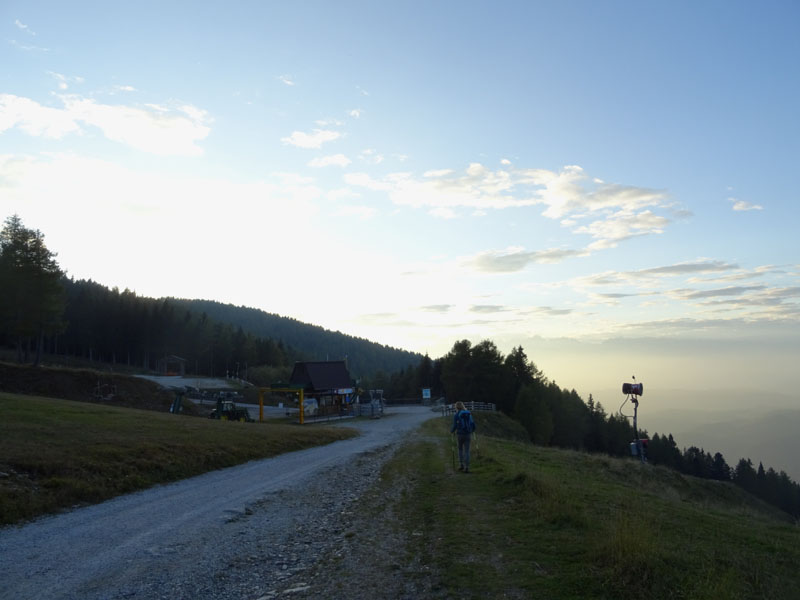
[[532, 522]]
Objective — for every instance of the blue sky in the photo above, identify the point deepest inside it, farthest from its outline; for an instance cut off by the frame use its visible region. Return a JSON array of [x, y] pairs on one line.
[[608, 185]]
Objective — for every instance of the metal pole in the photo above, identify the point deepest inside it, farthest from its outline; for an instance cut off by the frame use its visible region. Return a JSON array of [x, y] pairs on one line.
[[636, 429], [302, 408]]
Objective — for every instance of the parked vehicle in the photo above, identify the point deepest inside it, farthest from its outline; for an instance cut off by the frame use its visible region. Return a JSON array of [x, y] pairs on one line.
[[227, 410]]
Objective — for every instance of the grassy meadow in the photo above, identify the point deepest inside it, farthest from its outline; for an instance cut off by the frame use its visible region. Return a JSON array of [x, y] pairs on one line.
[[55, 454], [533, 522], [528, 522]]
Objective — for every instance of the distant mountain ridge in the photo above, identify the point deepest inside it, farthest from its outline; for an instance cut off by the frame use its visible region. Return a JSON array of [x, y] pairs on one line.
[[364, 357]]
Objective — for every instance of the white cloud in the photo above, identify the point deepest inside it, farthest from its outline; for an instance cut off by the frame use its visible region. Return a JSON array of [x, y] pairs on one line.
[[689, 294], [337, 195], [516, 259], [157, 130], [443, 213], [684, 268], [741, 205], [315, 139], [653, 276], [443, 195], [35, 119], [570, 191], [356, 211], [621, 226], [196, 114], [22, 27], [438, 173], [355, 113], [371, 156], [338, 160], [27, 47], [610, 213], [365, 181], [64, 81], [124, 88], [160, 131], [287, 80]]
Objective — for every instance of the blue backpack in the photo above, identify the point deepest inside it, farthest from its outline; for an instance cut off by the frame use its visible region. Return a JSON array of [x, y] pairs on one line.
[[465, 423]]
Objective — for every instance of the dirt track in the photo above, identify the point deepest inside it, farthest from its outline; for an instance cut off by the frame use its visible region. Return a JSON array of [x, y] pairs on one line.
[[192, 539]]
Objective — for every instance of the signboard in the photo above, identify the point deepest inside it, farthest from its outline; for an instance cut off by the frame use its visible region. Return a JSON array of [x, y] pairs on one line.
[[426, 393]]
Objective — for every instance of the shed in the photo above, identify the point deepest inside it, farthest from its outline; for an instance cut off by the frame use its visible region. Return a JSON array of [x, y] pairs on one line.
[[328, 381]]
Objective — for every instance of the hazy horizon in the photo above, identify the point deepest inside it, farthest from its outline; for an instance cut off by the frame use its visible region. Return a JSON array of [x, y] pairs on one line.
[[606, 185]]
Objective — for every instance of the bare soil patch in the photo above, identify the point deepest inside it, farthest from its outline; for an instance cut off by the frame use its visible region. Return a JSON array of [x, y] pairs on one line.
[[85, 385]]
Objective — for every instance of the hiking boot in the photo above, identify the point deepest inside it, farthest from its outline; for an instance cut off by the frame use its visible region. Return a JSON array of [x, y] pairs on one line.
[[461, 468], [466, 470]]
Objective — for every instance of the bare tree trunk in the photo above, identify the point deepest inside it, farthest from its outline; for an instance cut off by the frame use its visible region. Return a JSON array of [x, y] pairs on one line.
[[38, 359]]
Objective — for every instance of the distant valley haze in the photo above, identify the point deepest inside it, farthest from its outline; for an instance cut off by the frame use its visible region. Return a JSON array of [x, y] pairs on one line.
[[738, 423]]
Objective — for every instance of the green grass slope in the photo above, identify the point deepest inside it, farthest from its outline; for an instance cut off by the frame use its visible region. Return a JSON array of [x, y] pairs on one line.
[[532, 522], [55, 454]]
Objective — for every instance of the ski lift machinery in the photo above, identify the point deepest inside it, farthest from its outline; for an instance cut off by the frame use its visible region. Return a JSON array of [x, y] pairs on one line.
[[632, 392]]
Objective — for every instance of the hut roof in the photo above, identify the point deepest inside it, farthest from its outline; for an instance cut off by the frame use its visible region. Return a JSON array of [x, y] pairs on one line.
[[321, 375]]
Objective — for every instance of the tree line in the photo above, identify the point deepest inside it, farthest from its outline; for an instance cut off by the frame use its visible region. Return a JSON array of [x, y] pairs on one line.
[[558, 417], [43, 312], [364, 357]]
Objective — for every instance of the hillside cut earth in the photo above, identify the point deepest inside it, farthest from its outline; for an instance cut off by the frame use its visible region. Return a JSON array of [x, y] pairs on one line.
[[84, 385]]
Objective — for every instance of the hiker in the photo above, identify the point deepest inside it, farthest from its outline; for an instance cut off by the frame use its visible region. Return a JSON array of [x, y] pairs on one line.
[[463, 426]]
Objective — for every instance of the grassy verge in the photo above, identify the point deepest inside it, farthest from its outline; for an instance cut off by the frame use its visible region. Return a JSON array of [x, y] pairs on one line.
[[533, 522], [55, 454]]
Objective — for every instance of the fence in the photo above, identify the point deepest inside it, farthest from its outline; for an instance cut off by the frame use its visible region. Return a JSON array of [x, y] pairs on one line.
[[449, 409], [336, 413], [414, 400]]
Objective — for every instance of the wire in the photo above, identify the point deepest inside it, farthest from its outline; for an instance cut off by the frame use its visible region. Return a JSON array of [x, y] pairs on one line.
[[623, 404]]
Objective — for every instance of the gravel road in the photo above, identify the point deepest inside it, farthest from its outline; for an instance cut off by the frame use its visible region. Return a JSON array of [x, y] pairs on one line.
[[248, 532]]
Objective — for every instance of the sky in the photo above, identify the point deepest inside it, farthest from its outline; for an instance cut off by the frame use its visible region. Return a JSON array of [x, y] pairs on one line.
[[606, 184]]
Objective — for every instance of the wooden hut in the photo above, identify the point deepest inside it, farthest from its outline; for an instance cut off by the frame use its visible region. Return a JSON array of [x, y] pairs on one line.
[[328, 381]]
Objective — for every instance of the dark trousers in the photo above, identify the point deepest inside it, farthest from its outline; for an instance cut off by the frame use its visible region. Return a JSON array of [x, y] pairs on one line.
[[463, 449]]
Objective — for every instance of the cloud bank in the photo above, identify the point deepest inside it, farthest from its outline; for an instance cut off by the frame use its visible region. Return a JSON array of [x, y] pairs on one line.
[[153, 129]]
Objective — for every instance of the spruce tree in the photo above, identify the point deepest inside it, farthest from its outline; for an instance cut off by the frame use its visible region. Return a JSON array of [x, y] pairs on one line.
[[32, 302]]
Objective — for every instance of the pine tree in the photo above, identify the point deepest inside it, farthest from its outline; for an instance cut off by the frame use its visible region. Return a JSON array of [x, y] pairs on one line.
[[32, 302]]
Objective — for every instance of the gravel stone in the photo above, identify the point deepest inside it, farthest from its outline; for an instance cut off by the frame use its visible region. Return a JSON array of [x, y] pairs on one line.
[[307, 524]]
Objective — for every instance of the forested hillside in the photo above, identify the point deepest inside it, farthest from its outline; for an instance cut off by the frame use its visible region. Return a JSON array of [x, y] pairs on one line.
[[364, 357], [43, 312], [215, 339]]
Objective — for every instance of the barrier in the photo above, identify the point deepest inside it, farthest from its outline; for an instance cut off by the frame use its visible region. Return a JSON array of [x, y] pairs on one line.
[[449, 409]]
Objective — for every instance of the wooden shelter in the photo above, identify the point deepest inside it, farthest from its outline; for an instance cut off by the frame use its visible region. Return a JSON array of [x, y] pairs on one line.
[[328, 381]]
